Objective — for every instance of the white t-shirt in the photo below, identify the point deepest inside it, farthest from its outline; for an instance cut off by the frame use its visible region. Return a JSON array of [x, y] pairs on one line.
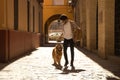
[[67, 31]]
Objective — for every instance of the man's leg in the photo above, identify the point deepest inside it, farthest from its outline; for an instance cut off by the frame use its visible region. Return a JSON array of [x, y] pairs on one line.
[[72, 51], [65, 45]]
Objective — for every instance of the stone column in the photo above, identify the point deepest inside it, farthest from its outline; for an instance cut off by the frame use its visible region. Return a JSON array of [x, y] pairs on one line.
[[106, 27], [91, 24], [83, 21]]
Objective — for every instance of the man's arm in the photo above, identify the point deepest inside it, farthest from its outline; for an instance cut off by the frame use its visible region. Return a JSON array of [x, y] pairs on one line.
[[75, 25]]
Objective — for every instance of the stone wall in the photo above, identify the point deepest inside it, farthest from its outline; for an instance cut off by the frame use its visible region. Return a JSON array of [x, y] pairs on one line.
[[14, 44]]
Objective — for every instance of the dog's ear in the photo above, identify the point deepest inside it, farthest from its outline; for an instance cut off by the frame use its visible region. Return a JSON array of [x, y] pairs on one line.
[[56, 45]]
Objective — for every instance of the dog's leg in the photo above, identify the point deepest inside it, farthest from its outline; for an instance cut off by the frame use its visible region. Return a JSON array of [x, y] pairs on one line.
[[59, 65], [53, 56], [59, 61], [54, 62]]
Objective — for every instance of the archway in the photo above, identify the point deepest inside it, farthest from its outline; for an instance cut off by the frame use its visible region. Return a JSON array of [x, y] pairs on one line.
[[47, 24]]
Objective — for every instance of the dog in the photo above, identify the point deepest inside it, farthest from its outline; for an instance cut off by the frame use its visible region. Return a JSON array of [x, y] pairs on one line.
[[57, 54]]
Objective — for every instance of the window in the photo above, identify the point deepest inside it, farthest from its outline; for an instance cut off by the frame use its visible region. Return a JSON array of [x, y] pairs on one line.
[[15, 14], [28, 15], [33, 19], [58, 2]]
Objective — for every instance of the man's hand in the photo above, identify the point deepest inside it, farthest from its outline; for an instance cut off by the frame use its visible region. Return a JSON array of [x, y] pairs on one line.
[[60, 38]]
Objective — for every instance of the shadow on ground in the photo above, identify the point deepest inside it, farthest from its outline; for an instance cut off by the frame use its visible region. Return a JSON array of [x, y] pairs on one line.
[[4, 64], [65, 70], [72, 70], [105, 63], [109, 78]]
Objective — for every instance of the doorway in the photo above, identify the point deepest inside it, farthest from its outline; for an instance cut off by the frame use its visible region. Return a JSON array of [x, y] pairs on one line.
[[117, 27], [49, 29]]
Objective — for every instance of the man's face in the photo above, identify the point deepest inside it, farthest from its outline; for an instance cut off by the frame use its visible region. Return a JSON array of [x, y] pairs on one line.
[[64, 21]]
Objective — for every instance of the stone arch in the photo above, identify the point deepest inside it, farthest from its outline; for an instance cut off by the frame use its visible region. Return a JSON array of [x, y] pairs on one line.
[[48, 22]]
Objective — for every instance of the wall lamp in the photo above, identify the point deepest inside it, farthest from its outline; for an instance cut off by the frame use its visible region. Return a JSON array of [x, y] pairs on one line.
[[69, 2]]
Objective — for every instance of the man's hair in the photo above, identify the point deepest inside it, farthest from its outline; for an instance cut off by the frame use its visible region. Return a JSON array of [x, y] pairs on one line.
[[63, 17]]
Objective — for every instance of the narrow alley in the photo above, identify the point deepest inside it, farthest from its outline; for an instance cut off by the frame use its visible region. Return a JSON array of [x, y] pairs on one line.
[[38, 66], [27, 25]]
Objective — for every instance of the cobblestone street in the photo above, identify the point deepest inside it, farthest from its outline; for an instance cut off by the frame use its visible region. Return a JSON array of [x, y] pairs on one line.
[[38, 66]]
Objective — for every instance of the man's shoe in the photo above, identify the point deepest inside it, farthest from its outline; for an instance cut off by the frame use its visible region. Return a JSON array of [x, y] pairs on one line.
[[66, 63], [65, 68], [71, 65], [72, 68]]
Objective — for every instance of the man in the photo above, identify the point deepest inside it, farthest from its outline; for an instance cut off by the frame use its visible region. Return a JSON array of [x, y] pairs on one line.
[[67, 27]]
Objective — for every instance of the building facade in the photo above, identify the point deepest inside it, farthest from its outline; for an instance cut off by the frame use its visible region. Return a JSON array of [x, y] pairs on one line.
[[52, 9], [20, 25], [100, 25]]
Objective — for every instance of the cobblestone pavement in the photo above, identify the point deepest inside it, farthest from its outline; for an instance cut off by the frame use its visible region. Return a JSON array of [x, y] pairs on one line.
[[38, 66]]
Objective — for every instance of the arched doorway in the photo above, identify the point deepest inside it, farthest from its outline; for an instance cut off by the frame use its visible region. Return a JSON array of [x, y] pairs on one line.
[[54, 31], [53, 19]]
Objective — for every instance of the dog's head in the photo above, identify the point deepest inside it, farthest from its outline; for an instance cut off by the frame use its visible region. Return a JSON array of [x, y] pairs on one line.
[[59, 47]]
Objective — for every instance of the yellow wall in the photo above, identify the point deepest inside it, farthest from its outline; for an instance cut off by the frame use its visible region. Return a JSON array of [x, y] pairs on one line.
[[23, 15], [22, 24], [91, 24], [7, 15], [36, 17], [10, 14], [2, 14], [47, 2], [50, 10], [36, 13]]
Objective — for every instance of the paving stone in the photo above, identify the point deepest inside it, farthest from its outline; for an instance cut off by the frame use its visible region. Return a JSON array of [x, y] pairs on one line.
[[38, 66]]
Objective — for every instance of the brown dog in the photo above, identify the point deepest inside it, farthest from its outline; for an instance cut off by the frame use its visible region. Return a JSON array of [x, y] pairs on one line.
[[57, 54]]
